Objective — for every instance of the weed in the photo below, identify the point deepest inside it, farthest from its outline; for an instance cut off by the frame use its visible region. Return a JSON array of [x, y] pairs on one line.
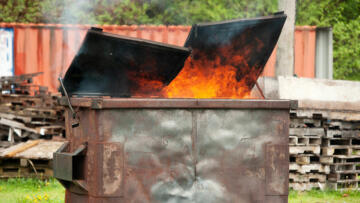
[[327, 196], [31, 190]]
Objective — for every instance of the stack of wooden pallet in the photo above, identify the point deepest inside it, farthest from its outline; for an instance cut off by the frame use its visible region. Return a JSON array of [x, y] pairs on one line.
[[27, 111], [305, 137], [28, 159], [341, 149], [324, 149]]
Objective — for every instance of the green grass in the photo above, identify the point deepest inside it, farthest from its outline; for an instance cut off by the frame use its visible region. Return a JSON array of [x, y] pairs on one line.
[[35, 191], [31, 190], [317, 196]]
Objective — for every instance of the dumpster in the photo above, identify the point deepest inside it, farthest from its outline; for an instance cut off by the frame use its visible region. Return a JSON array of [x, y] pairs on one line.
[[149, 149], [175, 150]]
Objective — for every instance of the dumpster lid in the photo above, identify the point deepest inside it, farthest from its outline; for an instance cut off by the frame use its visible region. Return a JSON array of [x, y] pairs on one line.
[[245, 44], [113, 65]]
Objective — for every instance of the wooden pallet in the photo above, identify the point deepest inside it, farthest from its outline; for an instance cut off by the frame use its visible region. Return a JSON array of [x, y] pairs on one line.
[[335, 142], [307, 178], [341, 125], [343, 176], [337, 133], [10, 168], [306, 186], [309, 168], [344, 185], [304, 141], [305, 123], [294, 150], [345, 168], [336, 150], [304, 159], [303, 132], [342, 133], [28, 110], [349, 116], [28, 159]]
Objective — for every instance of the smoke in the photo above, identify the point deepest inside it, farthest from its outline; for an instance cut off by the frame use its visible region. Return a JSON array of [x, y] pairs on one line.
[[95, 11], [73, 12], [65, 44], [69, 11]]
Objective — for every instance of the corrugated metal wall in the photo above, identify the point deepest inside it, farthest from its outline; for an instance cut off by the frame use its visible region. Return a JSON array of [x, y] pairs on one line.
[[305, 41], [50, 48]]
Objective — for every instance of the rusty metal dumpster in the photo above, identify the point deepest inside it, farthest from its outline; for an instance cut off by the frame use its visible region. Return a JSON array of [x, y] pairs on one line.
[[175, 150]]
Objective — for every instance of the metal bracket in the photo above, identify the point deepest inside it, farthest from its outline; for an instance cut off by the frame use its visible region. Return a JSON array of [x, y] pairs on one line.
[[67, 167]]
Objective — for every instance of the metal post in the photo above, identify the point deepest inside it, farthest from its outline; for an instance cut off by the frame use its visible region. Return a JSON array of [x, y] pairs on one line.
[[285, 50], [324, 56]]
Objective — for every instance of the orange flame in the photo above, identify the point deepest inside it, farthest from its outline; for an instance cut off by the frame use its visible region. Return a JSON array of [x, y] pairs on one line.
[[220, 73], [224, 75], [203, 82]]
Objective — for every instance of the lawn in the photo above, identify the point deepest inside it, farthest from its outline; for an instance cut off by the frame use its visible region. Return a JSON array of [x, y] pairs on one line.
[[37, 191], [31, 190], [317, 196]]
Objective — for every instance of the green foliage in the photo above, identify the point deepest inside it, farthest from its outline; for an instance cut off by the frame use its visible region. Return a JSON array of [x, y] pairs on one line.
[[216, 10], [347, 50], [19, 11], [175, 12], [344, 17], [121, 12]]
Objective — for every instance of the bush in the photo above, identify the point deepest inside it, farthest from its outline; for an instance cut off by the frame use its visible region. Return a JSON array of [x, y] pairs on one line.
[[344, 17], [175, 12], [19, 11]]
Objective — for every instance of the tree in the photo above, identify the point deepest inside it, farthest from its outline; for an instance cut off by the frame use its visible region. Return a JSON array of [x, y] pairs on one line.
[[344, 17], [175, 12], [20, 11]]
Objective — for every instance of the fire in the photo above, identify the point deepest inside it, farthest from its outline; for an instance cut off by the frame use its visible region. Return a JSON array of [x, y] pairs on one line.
[[146, 88], [229, 70], [221, 74], [206, 82]]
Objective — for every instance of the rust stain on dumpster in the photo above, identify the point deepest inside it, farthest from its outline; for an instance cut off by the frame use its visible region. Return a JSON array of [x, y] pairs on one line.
[[112, 168]]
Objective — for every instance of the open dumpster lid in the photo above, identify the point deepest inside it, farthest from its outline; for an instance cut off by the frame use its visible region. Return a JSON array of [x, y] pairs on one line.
[[245, 44], [119, 66]]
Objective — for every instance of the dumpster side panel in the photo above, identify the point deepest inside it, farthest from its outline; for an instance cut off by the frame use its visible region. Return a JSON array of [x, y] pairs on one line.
[[231, 151], [183, 155]]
